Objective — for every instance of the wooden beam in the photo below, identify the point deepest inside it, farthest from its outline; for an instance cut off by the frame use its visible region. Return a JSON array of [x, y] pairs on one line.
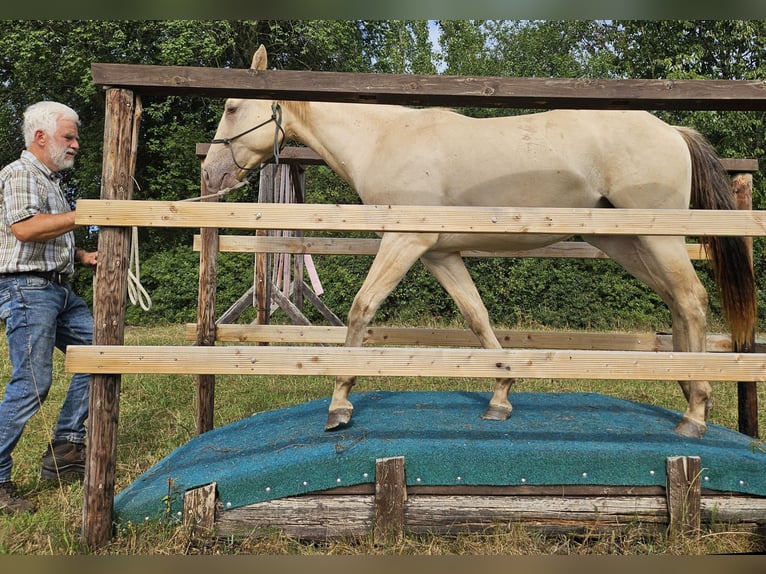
[[414, 218], [208, 281], [390, 498], [319, 516], [435, 90], [365, 246], [684, 493], [307, 156], [199, 509], [123, 111], [419, 362], [433, 337]]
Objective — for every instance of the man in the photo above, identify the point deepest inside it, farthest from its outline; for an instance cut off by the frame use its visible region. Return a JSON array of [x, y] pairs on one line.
[[37, 304]]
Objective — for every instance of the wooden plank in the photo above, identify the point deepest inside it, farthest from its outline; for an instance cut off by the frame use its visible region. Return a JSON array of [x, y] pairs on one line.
[[747, 392], [417, 362], [199, 509], [683, 494], [318, 517], [123, 111], [205, 336], [364, 246], [435, 90], [433, 337], [735, 165], [414, 218], [307, 156], [321, 516], [390, 499]]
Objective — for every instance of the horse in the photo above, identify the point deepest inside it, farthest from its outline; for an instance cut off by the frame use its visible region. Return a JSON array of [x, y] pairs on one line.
[[396, 155]]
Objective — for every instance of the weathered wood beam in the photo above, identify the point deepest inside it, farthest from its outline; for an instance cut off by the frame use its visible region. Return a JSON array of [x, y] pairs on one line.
[[123, 111], [307, 156], [435, 90], [390, 499], [433, 337], [363, 246], [683, 493]]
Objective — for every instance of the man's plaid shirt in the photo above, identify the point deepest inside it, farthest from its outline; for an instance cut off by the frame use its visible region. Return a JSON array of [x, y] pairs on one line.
[[28, 187]]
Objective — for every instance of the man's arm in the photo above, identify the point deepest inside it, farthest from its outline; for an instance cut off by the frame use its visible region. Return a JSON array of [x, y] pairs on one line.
[[44, 226]]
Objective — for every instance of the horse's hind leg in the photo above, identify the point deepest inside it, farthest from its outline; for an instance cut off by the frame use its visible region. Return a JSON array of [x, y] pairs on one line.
[[663, 264], [450, 271], [396, 254]]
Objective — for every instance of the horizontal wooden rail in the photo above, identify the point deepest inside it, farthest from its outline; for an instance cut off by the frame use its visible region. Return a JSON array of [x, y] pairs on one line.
[[363, 246], [435, 90], [443, 337], [414, 218], [307, 156], [420, 362]]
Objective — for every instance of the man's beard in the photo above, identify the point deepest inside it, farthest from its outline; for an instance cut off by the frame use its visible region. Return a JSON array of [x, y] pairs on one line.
[[60, 157]]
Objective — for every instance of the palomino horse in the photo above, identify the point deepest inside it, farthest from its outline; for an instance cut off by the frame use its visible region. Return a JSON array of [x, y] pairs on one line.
[[583, 159]]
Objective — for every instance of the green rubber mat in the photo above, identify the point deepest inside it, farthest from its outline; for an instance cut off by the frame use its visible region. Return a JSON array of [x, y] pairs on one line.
[[551, 439]]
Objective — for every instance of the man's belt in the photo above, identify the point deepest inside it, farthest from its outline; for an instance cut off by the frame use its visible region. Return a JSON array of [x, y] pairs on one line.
[[52, 276]]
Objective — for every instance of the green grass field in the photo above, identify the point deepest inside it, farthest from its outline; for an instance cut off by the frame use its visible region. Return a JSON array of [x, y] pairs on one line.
[[157, 414]]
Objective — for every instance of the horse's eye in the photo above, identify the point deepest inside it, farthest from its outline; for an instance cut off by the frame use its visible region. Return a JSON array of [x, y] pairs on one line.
[[231, 110]]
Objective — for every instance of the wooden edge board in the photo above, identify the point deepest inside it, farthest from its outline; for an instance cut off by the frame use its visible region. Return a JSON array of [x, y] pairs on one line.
[[407, 362]]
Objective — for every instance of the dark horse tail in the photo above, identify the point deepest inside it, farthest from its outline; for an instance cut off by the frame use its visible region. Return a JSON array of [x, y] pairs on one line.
[[730, 256]]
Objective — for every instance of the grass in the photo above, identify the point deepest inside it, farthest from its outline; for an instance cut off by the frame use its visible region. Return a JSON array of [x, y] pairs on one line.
[[157, 414]]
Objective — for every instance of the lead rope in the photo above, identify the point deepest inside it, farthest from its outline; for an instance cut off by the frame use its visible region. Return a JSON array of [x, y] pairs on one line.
[[136, 291]]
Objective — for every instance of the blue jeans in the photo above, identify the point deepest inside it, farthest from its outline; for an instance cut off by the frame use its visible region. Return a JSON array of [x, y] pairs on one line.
[[40, 316]]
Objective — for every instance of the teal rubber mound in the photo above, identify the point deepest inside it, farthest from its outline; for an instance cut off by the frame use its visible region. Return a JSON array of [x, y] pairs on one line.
[[550, 439]]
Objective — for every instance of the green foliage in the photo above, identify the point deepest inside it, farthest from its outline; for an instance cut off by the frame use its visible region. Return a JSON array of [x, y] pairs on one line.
[[51, 59]]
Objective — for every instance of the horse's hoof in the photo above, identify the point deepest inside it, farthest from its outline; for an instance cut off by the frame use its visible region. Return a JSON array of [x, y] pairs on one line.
[[495, 413], [691, 428], [337, 418]]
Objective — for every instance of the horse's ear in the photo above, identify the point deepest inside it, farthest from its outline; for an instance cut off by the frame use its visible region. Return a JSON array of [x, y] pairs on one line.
[[259, 59]]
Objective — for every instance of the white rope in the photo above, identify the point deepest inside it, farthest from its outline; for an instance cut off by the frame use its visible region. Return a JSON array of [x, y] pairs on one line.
[[222, 192], [136, 291]]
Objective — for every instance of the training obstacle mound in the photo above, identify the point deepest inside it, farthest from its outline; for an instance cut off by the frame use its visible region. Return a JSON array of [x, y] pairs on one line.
[[426, 461]]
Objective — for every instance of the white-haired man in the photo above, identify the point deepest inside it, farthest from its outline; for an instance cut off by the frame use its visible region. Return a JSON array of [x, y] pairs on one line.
[[37, 305]]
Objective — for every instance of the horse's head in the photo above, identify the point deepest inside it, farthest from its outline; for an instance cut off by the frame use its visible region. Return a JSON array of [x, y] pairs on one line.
[[245, 137]]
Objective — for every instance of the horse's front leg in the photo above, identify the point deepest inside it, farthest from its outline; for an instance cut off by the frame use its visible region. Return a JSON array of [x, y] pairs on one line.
[[396, 254]]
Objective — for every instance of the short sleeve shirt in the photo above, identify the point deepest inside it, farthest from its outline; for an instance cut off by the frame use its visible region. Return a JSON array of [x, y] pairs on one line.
[[28, 187]]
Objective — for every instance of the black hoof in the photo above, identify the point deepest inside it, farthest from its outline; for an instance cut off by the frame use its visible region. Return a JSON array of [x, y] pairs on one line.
[[337, 418], [691, 428], [495, 413]]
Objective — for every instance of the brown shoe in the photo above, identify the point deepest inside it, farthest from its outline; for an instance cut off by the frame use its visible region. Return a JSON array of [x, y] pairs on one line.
[[11, 501], [62, 458]]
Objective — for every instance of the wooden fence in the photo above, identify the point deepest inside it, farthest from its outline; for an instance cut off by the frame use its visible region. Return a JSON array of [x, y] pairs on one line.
[[116, 213]]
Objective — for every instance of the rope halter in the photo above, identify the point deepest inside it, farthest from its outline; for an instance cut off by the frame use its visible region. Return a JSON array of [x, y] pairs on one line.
[[276, 117]]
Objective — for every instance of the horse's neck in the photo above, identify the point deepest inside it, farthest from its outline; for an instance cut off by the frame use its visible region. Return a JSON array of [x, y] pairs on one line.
[[339, 133]]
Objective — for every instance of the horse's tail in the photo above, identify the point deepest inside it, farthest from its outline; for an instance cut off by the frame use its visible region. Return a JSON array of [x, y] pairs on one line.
[[730, 256]]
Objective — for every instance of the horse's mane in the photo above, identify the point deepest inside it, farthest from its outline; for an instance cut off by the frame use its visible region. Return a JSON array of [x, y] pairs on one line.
[[299, 108]]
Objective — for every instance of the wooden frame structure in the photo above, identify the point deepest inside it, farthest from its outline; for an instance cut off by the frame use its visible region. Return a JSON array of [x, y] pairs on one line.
[[107, 359], [389, 507]]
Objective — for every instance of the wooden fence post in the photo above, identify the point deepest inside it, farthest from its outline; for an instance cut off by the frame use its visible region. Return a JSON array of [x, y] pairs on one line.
[[208, 273], [683, 493], [123, 111], [747, 392], [390, 496]]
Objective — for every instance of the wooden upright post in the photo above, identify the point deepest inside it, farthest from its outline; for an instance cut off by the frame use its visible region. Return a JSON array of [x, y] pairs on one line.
[[747, 391], [123, 111], [208, 274], [262, 280]]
